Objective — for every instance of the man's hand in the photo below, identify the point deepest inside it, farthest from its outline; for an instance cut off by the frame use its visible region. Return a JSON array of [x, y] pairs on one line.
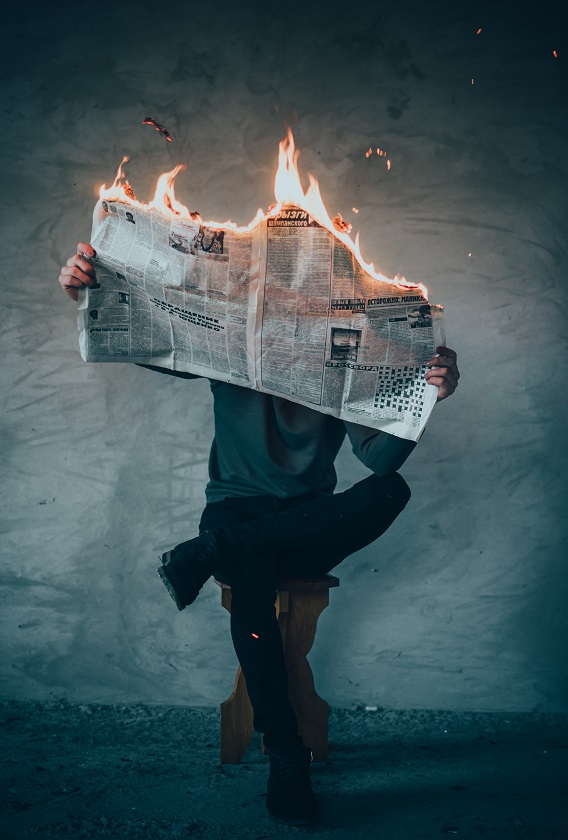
[[78, 272], [443, 373]]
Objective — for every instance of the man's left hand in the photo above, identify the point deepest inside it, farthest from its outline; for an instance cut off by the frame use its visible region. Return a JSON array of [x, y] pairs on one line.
[[443, 372]]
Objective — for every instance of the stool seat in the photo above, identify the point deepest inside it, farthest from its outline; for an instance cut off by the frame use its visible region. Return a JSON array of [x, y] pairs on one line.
[[292, 584], [299, 603]]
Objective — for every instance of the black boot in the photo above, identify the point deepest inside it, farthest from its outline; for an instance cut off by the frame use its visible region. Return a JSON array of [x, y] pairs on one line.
[[289, 796], [187, 567]]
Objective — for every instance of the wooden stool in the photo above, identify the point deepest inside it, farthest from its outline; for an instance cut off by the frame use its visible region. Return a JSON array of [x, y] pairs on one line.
[[299, 602]]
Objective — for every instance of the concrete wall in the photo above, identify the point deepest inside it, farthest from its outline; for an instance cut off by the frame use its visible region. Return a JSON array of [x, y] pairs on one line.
[[103, 467]]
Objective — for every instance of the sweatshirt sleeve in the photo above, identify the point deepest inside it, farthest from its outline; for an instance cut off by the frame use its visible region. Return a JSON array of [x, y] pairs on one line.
[[380, 452]]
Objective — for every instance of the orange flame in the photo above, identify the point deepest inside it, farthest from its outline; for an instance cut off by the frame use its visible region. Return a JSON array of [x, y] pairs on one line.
[[287, 189], [164, 195], [120, 189]]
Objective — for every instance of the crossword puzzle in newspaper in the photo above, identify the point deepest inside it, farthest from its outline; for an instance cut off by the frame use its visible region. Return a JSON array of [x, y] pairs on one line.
[[403, 389]]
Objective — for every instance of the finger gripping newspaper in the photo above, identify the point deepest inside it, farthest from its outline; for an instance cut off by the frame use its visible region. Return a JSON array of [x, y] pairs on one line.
[[284, 308]]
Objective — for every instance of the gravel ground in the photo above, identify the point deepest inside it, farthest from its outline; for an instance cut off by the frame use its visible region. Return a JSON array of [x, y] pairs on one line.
[[153, 772]]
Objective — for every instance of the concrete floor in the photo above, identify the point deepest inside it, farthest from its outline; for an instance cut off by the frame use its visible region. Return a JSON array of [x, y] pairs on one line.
[[152, 772]]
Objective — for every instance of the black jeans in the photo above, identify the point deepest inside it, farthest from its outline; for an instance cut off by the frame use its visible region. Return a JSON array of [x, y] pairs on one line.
[[305, 536]]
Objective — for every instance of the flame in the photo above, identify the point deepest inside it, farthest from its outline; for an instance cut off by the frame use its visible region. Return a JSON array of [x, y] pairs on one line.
[[339, 223], [120, 189], [287, 189], [164, 195]]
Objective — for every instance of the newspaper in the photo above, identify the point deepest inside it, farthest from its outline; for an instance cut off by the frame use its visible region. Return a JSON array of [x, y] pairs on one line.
[[284, 308]]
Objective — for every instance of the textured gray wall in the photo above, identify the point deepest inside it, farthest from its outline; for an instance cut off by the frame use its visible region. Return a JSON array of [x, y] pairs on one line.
[[103, 467]]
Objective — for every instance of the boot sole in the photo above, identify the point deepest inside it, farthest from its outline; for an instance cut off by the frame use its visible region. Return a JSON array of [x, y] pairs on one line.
[[170, 587]]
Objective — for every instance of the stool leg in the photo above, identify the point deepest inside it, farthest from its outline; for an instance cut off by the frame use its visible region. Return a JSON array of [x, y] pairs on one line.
[[298, 613], [236, 723], [236, 712], [304, 609]]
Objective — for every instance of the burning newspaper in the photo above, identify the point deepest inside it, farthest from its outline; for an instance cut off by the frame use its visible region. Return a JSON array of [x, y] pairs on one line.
[[283, 306]]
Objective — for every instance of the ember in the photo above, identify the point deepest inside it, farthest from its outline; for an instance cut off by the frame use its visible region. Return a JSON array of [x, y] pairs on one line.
[[341, 225], [158, 127]]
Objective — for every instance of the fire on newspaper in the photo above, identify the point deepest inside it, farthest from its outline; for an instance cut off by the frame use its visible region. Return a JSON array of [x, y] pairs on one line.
[[285, 305]]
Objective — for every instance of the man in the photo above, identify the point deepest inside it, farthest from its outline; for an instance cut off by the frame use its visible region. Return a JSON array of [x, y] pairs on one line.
[[270, 511]]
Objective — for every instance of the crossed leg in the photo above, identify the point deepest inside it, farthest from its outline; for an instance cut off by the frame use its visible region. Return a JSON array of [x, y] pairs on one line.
[[261, 537]]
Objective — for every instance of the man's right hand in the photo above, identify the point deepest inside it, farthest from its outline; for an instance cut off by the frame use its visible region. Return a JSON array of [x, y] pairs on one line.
[[78, 272]]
